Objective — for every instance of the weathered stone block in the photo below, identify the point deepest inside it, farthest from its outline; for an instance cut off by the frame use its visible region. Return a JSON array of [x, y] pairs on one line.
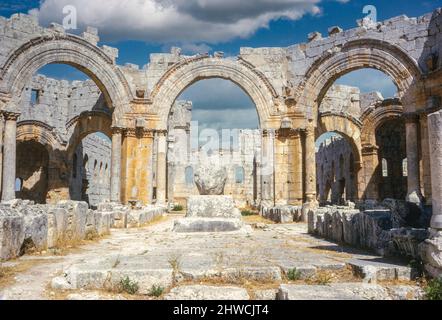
[[212, 207], [12, 233], [208, 225]]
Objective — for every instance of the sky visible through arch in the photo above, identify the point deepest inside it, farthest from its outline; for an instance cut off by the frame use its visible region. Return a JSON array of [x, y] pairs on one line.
[[138, 28]]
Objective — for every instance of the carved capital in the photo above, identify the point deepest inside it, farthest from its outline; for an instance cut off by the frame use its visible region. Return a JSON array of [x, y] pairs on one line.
[[10, 116], [161, 133], [139, 133], [288, 133], [117, 130]]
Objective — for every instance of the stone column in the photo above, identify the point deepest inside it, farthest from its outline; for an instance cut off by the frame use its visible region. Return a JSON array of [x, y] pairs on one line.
[[414, 194], [310, 166], [267, 168], [117, 134], [431, 249], [2, 127], [435, 138], [368, 188], [161, 167], [9, 156]]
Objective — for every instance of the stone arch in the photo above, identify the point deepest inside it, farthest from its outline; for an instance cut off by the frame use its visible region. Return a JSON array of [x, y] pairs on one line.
[[39, 132], [376, 116], [85, 124], [349, 128], [22, 64], [190, 71], [359, 54]]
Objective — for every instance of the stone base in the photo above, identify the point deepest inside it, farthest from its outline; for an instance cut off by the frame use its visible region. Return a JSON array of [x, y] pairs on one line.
[[212, 207], [431, 251], [189, 225]]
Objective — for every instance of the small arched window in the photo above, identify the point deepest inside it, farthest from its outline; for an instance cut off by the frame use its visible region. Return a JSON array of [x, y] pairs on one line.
[[18, 185], [384, 168], [405, 167], [74, 166], [86, 162], [189, 176], [239, 175]]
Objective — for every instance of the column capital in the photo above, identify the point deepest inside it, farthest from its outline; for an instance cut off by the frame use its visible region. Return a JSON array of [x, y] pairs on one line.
[[117, 130], [10, 116], [139, 133], [161, 133], [288, 133], [268, 132]]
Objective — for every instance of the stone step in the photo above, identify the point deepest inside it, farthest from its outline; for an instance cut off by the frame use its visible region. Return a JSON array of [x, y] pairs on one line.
[[372, 271], [348, 291], [198, 292]]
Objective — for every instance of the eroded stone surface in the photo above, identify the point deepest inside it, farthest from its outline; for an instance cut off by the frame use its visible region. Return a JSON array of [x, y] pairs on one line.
[[207, 293]]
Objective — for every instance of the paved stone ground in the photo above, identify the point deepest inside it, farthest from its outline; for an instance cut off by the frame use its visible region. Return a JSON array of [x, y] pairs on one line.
[[200, 266]]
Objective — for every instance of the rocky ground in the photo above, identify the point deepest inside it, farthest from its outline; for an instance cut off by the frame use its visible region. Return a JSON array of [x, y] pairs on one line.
[[271, 262]]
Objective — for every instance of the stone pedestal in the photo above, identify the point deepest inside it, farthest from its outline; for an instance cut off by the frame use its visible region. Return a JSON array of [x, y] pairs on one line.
[[210, 214]]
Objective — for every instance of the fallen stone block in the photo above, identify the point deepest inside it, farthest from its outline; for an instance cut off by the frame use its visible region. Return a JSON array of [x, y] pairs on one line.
[[208, 225], [338, 291], [197, 293], [12, 233]]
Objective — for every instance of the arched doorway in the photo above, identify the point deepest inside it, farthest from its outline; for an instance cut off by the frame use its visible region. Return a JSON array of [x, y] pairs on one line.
[[390, 139], [32, 171], [213, 121]]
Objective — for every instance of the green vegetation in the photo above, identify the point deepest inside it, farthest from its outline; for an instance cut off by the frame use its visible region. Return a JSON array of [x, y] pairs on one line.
[[128, 286], [248, 213], [156, 291], [178, 208], [293, 274], [433, 291]]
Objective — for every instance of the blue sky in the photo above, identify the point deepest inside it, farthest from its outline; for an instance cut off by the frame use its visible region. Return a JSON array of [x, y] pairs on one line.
[[151, 26]]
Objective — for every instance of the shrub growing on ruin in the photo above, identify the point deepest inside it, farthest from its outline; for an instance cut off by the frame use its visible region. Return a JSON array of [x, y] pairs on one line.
[[293, 274], [156, 291], [248, 213], [433, 291], [128, 286]]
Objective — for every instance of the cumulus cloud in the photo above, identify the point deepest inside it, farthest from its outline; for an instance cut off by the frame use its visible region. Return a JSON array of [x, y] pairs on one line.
[[368, 80], [185, 21], [221, 104]]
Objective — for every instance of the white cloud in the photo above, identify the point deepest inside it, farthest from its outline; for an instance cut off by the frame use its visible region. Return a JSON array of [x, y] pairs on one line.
[[184, 21], [369, 80]]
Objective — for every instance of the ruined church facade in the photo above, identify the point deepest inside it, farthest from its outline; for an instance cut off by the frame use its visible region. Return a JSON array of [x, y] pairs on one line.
[[287, 85]]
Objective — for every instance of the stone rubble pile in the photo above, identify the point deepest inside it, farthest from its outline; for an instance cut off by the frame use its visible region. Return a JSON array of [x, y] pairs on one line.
[[282, 214], [26, 227], [373, 229]]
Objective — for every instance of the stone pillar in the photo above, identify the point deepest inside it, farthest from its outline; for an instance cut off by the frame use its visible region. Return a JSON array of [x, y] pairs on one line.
[[267, 168], [431, 249], [368, 188], [435, 138], [162, 167], [9, 156], [2, 127], [310, 166], [117, 134], [414, 194]]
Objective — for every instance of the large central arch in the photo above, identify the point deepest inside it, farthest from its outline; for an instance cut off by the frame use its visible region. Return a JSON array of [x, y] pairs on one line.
[[193, 70], [23, 63], [359, 54]]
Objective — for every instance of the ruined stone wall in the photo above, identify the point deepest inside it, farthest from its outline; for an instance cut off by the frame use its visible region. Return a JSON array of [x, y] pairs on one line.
[[55, 103], [90, 180], [336, 179]]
